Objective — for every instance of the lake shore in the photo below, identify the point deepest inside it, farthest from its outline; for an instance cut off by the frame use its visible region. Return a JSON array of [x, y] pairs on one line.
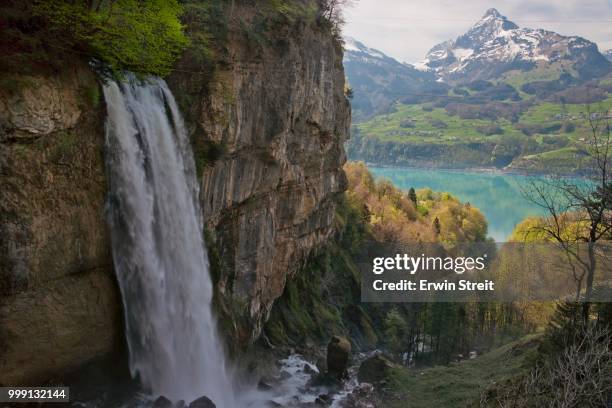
[[478, 169], [496, 193]]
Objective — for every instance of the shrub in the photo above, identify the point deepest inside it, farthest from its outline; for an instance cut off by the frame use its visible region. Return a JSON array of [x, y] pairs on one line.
[[578, 374], [489, 130], [569, 127], [407, 123], [460, 91], [143, 37], [479, 85], [530, 130], [438, 124], [427, 108]]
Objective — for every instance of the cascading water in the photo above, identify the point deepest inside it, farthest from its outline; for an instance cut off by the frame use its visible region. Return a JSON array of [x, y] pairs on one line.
[[158, 248], [161, 260]]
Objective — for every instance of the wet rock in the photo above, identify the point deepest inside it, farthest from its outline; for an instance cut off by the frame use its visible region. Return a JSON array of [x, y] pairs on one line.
[[374, 370], [202, 402], [365, 389], [162, 402], [338, 353], [321, 364], [361, 397], [309, 370], [263, 386], [323, 400]]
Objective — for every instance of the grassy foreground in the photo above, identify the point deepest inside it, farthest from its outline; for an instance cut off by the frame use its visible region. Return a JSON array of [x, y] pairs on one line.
[[459, 384]]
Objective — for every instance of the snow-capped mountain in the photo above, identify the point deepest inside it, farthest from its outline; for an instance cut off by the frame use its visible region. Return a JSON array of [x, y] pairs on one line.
[[608, 54], [378, 80], [355, 50], [495, 45]]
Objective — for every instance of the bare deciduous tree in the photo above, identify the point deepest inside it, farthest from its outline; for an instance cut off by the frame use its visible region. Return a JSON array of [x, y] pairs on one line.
[[580, 376], [579, 212], [333, 11]]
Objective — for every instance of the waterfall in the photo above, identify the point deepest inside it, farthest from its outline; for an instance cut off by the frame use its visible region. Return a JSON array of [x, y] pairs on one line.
[[158, 247]]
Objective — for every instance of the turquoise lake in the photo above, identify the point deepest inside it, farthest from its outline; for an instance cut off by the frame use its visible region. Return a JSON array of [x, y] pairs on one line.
[[497, 195]]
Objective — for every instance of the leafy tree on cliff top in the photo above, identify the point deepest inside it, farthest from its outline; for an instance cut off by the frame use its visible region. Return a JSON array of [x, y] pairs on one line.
[[141, 36]]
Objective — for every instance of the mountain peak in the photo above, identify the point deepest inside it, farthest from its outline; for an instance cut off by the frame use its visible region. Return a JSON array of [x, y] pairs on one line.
[[491, 26], [493, 21], [495, 44], [492, 12]]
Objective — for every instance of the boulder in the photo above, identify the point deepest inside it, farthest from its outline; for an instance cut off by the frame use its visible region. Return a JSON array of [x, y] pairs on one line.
[[263, 385], [162, 402], [323, 399], [338, 354], [309, 370], [321, 364], [374, 370], [202, 402], [361, 397]]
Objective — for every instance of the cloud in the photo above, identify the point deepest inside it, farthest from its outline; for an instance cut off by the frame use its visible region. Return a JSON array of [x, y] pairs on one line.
[[407, 29]]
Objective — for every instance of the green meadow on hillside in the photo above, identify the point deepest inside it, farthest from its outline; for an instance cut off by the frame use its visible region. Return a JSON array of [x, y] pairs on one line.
[[525, 135], [460, 384]]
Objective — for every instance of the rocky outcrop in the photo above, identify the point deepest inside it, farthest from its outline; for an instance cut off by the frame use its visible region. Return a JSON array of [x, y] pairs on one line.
[[374, 370], [59, 306], [278, 113], [338, 354], [277, 116]]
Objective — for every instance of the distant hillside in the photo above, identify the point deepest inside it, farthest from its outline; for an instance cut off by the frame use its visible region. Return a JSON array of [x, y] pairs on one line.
[[608, 54], [499, 96], [495, 46], [378, 81]]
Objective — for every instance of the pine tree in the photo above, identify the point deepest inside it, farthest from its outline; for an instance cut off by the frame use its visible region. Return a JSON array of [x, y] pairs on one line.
[[412, 196], [436, 225]]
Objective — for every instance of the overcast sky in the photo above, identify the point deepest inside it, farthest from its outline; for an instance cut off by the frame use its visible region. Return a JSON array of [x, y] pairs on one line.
[[407, 29]]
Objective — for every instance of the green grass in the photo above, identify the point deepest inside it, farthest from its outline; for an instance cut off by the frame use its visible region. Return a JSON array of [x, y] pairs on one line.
[[565, 153], [544, 113], [518, 78], [567, 160], [605, 82], [387, 127], [460, 384], [462, 142]]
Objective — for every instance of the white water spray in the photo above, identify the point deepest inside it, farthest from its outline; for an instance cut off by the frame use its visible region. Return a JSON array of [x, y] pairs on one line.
[[158, 248]]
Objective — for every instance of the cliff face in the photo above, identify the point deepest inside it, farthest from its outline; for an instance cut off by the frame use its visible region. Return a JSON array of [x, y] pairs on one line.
[[59, 305], [278, 113], [277, 116]]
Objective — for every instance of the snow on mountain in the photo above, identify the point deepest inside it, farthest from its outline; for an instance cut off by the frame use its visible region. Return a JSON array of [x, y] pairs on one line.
[[378, 81], [355, 50], [608, 54], [495, 45]]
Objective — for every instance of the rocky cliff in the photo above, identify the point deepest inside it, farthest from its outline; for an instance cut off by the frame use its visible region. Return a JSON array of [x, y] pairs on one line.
[[59, 305], [275, 114]]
